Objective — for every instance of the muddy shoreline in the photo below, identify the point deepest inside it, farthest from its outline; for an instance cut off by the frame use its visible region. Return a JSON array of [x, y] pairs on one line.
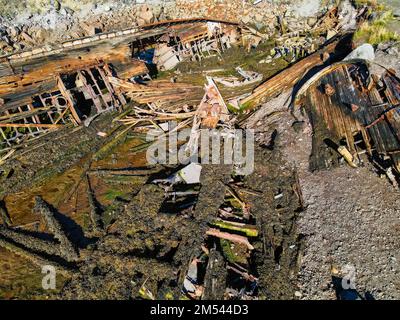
[[87, 200]]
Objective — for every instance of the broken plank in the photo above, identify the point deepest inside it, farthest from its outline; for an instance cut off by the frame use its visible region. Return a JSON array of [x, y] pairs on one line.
[[30, 125], [290, 76], [231, 237]]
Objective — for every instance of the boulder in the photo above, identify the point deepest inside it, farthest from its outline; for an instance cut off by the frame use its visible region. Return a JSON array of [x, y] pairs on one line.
[[365, 51], [3, 44], [312, 21], [145, 15], [387, 55], [306, 8], [14, 32], [41, 35], [347, 15]]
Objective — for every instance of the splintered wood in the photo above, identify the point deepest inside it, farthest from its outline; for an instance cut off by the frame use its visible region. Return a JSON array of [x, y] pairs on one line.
[[212, 108], [48, 88], [164, 94]]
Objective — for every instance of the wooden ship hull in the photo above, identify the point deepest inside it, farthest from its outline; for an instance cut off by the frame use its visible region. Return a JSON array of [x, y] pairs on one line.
[[48, 88]]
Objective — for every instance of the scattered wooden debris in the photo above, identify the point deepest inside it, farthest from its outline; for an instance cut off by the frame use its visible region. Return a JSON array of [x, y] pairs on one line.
[[212, 108], [67, 248], [46, 89], [230, 237], [248, 230], [361, 114], [162, 93], [248, 78]]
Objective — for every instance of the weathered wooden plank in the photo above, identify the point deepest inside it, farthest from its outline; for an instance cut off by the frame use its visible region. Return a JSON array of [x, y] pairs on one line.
[[290, 76], [30, 125], [69, 99]]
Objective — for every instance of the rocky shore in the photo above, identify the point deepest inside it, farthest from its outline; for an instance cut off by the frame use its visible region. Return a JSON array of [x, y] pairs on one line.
[[55, 21]]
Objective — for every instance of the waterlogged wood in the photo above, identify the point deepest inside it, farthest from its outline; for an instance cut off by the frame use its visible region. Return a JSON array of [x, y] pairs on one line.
[[25, 114], [95, 216], [159, 91], [37, 76], [69, 99], [67, 248], [29, 242], [215, 277], [34, 257], [112, 143], [38, 69]]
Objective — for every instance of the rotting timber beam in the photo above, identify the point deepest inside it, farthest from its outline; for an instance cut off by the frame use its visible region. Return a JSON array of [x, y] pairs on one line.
[[30, 125], [292, 75], [69, 99]]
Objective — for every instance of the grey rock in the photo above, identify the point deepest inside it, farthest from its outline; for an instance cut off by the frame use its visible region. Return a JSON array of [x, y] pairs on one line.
[[365, 52], [69, 11], [14, 31], [312, 21]]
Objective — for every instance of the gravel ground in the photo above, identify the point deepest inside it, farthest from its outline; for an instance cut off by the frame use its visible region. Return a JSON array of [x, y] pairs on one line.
[[352, 218]]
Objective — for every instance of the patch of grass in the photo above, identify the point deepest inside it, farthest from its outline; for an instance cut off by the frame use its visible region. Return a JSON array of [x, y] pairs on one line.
[[120, 179], [371, 3], [19, 279], [111, 194], [377, 31], [229, 253]]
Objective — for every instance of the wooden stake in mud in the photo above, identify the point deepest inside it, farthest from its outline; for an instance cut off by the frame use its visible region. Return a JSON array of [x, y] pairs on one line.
[[94, 212]]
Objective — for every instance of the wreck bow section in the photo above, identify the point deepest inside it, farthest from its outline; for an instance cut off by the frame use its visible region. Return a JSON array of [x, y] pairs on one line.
[[48, 88], [353, 112]]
